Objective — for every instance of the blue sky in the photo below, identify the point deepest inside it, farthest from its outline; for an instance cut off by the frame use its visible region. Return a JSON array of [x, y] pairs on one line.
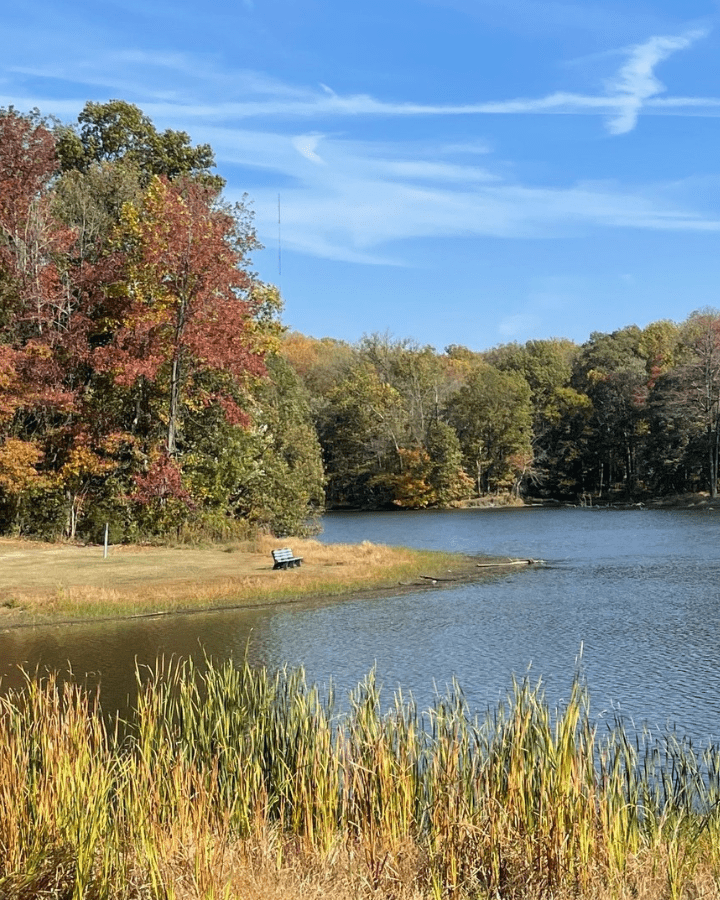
[[453, 171]]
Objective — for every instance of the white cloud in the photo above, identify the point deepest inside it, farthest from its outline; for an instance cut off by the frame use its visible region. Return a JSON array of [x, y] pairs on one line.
[[636, 82], [306, 145], [433, 171], [359, 198], [324, 106], [177, 77], [632, 89], [362, 202]]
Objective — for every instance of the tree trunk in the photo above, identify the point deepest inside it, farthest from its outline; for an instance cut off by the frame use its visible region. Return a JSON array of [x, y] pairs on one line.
[[173, 408], [175, 377], [716, 449], [714, 443]]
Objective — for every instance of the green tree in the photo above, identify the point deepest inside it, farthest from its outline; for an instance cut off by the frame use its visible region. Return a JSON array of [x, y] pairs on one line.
[[91, 202], [612, 371], [418, 376], [492, 417], [281, 487], [546, 365], [356, 431], [446, 476], [700, 375], [676, 444], [429, 475], [118, 131]]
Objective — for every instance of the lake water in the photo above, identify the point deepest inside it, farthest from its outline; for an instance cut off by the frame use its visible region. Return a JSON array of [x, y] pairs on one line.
[[638, 591]]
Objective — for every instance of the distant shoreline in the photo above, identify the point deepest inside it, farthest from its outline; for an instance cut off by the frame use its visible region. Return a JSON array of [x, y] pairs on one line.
[[700, 499]]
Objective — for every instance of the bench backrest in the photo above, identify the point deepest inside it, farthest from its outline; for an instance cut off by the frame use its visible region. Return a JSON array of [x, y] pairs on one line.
[[282, 555]]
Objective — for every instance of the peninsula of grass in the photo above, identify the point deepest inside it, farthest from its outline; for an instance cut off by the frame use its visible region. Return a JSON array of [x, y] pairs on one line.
[[41, 583]]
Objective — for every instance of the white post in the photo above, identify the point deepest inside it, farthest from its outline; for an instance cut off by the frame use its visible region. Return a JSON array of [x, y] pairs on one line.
[[106, 540]]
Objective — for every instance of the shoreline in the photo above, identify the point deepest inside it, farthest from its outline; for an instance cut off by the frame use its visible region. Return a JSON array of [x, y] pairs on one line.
[[64, 584], [61, 583], [698, 500]]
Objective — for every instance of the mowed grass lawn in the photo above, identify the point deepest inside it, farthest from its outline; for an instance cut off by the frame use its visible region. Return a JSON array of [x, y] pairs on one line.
[[50, 582]]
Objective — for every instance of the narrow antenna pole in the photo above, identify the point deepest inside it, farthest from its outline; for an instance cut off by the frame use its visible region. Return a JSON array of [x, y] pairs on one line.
[[279, 241]]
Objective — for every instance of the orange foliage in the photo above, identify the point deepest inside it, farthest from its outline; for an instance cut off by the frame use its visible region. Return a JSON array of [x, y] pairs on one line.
[[18, 466]]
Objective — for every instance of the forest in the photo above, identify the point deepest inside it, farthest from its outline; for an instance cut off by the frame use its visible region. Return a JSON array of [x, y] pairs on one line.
[[147, 381], [624, 417]]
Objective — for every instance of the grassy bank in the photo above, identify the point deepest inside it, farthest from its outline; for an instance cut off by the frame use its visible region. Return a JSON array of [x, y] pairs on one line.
[[51, 582], [245, 784]]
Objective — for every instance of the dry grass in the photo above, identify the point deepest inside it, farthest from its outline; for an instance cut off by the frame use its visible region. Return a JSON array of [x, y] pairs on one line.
[[243, 784], [41, 582]]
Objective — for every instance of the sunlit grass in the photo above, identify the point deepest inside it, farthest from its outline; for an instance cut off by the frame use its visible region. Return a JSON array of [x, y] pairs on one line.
[[242, 783], [79, 584]]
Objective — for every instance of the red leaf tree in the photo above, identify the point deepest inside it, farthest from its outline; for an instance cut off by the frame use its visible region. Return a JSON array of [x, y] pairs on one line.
[[37, 299], [186, 306]]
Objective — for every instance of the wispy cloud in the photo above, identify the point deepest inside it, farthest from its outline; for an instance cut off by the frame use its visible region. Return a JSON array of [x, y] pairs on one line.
[[362, 205], [636, 83], [359, 200], [634, 88], [306, 145]]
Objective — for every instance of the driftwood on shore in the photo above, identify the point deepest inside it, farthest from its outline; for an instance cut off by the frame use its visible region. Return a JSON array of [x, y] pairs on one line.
[[500, 563], [507, 562]]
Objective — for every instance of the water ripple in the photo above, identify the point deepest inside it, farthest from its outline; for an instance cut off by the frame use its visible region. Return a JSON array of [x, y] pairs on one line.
[[639, 592]]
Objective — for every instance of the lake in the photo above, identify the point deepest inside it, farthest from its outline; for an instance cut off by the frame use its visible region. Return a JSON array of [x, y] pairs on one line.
[[638, 591]]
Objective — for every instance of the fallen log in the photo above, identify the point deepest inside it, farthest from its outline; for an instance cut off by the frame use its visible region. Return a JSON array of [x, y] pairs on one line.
[[507, 562]]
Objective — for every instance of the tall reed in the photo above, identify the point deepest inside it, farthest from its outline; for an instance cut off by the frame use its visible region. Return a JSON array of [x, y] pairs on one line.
[[225, 770]]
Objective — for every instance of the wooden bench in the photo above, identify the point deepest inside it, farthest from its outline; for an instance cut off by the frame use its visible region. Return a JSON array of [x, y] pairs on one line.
[[284, 559]]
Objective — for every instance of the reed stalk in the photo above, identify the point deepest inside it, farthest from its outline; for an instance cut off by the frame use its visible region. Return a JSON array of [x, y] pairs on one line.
[[226, 772]]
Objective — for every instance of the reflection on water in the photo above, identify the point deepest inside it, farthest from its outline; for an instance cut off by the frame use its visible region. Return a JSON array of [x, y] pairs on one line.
[[639, 591]]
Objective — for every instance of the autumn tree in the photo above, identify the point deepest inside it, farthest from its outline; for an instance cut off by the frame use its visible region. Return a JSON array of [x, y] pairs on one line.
[[184, 322], [133, 334], [21, 479], [661, 345], [491, 415], [33, 287], [41, 347]]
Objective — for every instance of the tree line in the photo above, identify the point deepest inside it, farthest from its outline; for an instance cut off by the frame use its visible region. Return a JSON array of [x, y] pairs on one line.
[[147, 381], [624, 416]]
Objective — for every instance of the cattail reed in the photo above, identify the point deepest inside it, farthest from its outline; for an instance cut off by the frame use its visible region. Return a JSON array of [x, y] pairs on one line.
[[227, 779]]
